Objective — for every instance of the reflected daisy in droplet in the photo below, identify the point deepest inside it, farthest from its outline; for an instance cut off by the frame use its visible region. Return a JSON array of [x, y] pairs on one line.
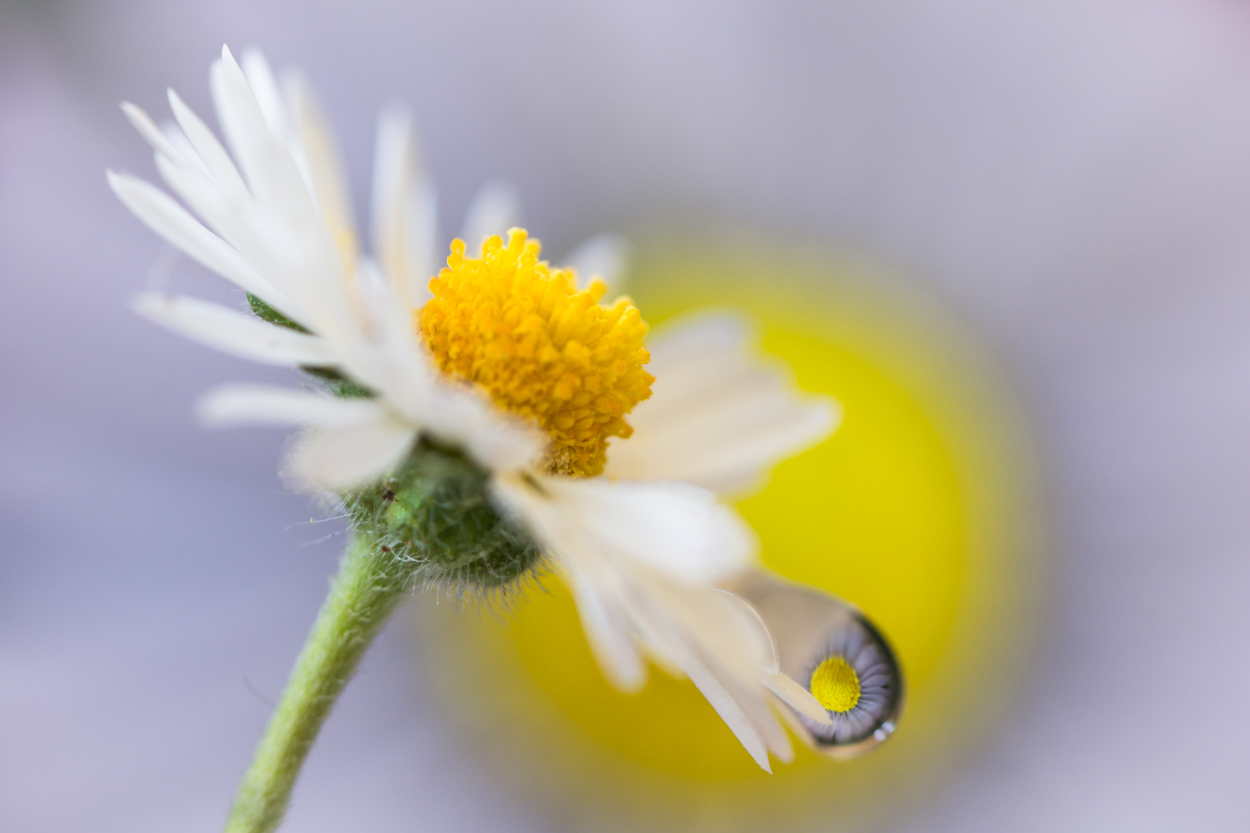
[[838, 654], [496, 413], [857, 683]]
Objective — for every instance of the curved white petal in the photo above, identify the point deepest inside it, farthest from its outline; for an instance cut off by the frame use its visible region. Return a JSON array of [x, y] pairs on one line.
[[425, 254], [220, 166], [718, 416], [264, 86], [147, 128], [391, 360], [714, 639], [463, 416], [255, 240], [495, 442], [172, 222], [719, 641], [183, 146], [678, 530], [603, 256], [323, 167], [495, 209], [340, 458], [797, 697], [722, 628], [268, 404], [729, 709], [238, 334], [608, 636], [405, 217], [269, 172]]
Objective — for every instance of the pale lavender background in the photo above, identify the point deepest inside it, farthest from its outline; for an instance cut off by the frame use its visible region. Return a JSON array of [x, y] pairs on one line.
[[1072, 176]]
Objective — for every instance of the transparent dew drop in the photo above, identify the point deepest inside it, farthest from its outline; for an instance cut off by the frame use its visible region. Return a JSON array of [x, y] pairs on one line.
[[829, 647]]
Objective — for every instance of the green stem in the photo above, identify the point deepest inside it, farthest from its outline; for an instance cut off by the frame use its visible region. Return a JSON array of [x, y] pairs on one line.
[[369, 586]]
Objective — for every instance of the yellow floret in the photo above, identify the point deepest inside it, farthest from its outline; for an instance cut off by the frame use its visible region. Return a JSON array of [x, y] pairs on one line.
[[543, 349]]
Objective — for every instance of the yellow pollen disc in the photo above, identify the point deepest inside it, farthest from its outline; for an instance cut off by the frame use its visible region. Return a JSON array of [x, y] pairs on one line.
[[542, 349], [836, 685]]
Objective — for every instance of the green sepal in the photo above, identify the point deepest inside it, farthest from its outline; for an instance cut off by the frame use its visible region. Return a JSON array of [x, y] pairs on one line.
[[434, 512], [337, 383], [268, 313]]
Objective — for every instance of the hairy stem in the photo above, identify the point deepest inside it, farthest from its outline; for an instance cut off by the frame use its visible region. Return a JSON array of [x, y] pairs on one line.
[[369, 586]]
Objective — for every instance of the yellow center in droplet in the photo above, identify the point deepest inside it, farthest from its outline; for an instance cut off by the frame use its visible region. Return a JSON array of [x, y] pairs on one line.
[[540, 347], [836, 685]]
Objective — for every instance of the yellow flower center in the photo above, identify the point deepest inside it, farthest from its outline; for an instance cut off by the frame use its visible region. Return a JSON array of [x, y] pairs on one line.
[[543, 349], [836, 685]]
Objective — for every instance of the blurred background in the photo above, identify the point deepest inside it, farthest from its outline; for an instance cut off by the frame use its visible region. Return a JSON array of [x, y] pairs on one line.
[[1061, 186]]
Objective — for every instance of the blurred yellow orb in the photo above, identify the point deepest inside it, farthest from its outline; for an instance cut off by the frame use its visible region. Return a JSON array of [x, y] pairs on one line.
[[921, 510]]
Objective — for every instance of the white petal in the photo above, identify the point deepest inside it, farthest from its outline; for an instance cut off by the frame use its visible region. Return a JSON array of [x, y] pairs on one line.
[[173, 133], [208, 200], [659, 654], [729, 710], [425, 256], [797, 698], [727, 443], [676, 529], [268, 170], [265, 88], [239, 334], [290, 243], [701, 353], [237, 404], [462, 416], [219, 164], [603, 256], [717, 637], [722, 628], [608, 637], [495, 209], [718, 416], [392, 170], [147, 128], [339, 458], [172, 222], [252, 245], [404, 209], [755, 705], [323, 166]]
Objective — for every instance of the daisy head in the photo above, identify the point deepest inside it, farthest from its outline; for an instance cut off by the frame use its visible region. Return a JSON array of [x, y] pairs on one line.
[[479, 420]]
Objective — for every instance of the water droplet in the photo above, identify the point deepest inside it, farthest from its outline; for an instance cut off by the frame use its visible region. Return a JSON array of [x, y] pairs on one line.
[[831, 648]]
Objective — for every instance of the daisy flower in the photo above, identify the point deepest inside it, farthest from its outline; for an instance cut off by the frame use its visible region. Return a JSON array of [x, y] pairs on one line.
[[481, 419]]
